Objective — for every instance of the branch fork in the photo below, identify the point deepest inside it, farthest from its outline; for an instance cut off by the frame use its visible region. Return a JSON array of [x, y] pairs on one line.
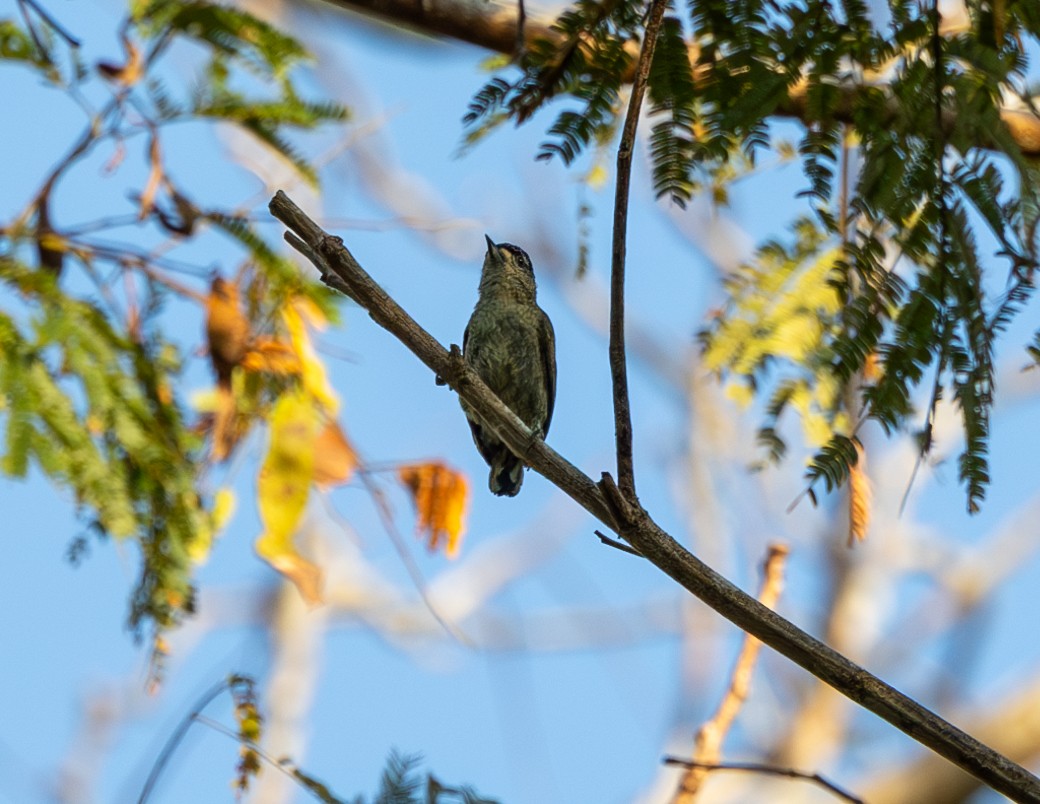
[[619, 512]]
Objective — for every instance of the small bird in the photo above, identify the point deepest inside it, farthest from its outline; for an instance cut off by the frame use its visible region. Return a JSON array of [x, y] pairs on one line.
[[510, 343]]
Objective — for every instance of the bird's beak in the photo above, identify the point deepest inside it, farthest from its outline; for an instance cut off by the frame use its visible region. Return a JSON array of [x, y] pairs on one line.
[[492, 248]]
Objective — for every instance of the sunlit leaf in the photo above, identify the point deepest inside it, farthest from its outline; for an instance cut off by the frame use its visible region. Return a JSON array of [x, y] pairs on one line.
[[283, 488], [441, 497], [334, 457], [297, 317]]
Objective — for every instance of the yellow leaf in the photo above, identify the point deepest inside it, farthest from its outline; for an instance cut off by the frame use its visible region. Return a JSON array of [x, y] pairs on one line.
[[315, 382], [441, 497], [201, 543], [205, 400], [739, 393], [283, 488], [597, 177], [223, 508]]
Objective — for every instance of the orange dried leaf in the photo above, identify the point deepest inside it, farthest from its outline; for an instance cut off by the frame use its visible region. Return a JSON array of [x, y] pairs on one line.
[[334, 457], [441, 497], [860, 496], [227, 329], [272, 356], [871, 368], [126, 74], [283, 488]]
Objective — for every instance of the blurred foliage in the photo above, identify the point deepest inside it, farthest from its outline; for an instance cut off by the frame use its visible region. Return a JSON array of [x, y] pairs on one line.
[[91, 390], [936, 169], [400, 782]]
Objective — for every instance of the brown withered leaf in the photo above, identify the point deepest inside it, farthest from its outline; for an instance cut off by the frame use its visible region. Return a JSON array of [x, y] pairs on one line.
[[227, 336], [184, 216], [227, 329], [871, 368], [860, 496], [334, 457], [272, 356], [128, 73], [441, 497]]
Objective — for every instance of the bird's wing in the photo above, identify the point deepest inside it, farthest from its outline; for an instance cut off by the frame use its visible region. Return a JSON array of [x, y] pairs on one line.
[[547, 345]]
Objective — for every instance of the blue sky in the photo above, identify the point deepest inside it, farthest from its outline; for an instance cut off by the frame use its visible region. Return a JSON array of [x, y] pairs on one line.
[[563, 720]]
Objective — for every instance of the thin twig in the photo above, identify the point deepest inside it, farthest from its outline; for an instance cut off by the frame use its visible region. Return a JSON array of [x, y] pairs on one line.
[[769, 770], [55, 26], [645, 535], [282, 765], [708, 744], [617, 545], [618, 362], [177, 736], [386, 516], [521, 18]]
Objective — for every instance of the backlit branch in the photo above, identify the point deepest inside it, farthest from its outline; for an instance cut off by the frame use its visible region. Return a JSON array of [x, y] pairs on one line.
[[340, 270], [493, 25]]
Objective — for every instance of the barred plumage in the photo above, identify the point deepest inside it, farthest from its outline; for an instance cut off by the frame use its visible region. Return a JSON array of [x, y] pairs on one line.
[[510, 343]]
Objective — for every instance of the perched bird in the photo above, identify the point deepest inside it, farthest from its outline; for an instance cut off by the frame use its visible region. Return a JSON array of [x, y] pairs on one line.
[[510, 343]]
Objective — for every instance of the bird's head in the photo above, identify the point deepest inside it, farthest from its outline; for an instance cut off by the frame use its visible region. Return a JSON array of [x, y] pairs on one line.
[[507, 267]]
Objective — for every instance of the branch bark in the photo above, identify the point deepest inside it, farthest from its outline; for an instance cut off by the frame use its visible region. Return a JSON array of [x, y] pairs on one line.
[[492, 25], [340, 270], [618, 361]]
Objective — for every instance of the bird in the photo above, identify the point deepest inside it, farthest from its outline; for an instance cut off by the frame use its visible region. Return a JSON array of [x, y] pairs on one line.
[[510, 343]]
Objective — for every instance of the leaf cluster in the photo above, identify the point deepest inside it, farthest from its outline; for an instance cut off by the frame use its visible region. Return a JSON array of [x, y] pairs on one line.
[[94, 408], [585, 59], [91, 390], [910, 112]]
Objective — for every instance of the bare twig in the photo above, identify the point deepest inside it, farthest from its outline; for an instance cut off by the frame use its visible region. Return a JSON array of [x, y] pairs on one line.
[[708, 744], [386, 516], [55, 26], [178, 735], [618, 364], [624, 548], [320, 792], [770, 770], [642, 533]]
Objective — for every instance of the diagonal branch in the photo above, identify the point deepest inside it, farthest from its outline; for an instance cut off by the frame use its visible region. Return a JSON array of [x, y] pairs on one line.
[[340, 270], [618, 361]]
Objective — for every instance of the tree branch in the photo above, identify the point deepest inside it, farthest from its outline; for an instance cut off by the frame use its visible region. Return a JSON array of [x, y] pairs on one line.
[[493, 26], [769, 770], [708, 744], [639, 530], [618, 361]]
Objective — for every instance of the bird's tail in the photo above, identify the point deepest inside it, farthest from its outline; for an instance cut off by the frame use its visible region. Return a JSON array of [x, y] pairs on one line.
[[507, 474]]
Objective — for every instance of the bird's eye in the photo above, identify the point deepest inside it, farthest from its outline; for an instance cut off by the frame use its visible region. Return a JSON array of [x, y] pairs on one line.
[[518, 254]]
